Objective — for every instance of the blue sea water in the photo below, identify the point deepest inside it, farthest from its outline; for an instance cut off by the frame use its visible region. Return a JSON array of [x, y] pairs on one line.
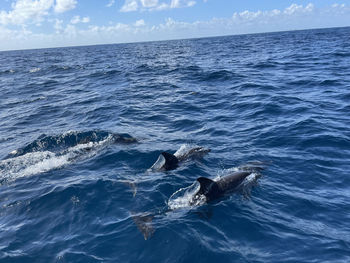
[[72, 181]]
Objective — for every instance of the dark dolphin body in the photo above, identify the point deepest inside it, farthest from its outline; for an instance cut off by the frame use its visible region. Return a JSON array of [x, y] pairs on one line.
[[171, 162], [167, 161], [215, 189]]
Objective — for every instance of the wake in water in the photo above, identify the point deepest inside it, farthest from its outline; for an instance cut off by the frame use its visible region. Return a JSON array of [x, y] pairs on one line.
[[59, 143], [52, 152]]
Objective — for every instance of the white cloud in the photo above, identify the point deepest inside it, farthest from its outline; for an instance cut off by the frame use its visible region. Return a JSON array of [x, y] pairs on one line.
[[290, 11], [26, 10], [71, 32], [175, 4], [294, 8], [154, 5], [33, 11], [65, 5], [77, 19], [149, 3], [58, 26], [139, 23], [338, 5], [129, 6], [111, 3], [191, 3], [290, 18], [85, 19]]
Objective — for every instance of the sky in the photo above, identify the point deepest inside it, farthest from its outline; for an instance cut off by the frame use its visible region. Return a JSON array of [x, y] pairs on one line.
[[27, 24]]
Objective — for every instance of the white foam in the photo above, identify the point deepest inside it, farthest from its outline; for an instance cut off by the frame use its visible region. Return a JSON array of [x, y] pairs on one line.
[[184, 149], [252, 178], [38, 98], [40, 162], [29, 164], [183, 198], [33, 70], [158, 164], [13, 152], [190, 151]]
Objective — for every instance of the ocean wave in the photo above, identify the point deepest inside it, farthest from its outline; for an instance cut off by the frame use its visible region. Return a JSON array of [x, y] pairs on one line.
[[220, 75], [32, 163], [13, 103], [104, 73]]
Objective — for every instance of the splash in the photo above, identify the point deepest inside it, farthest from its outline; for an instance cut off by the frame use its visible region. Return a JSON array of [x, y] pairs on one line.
[[158, 164], [184, 148], [187, 151], [54, 152], [40, 162], [61, 142], [184, 198], [33, 70]]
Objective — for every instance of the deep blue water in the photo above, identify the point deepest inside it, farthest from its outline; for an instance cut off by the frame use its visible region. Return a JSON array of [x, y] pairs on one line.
[[70, 187]]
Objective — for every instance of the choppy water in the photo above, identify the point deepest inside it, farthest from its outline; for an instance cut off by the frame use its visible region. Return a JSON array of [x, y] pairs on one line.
[[70, 191]]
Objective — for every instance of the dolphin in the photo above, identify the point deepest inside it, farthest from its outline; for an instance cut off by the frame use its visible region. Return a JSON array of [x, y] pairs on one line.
[[167, 161], [215, 189], [209, 190], [144, 224], [61, 142]]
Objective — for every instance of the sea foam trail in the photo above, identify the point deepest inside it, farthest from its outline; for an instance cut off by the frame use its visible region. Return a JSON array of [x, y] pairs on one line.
[[35, 158], [58, 143]]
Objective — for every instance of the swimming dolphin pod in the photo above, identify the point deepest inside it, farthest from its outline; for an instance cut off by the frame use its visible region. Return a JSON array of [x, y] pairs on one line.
[[72, 145]]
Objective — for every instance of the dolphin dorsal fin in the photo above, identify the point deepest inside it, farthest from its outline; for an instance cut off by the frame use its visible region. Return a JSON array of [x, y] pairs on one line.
[[171, 161], [209, 188], [205, 185]]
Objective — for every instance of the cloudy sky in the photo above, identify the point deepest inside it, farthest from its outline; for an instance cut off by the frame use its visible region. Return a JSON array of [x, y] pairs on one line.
[[53, 23]]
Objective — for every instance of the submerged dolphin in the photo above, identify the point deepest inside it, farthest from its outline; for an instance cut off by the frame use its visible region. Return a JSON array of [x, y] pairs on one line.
[[167, 161], [61, 142]]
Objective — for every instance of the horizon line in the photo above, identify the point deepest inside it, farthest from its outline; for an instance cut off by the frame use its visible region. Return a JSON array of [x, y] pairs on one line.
[[174, 39]]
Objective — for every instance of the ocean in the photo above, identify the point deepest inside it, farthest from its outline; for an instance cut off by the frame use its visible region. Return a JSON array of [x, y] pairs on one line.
[[81, 126]]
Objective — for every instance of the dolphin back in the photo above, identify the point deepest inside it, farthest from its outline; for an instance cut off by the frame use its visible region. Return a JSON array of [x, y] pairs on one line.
[[171, 161], [208, 188]]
